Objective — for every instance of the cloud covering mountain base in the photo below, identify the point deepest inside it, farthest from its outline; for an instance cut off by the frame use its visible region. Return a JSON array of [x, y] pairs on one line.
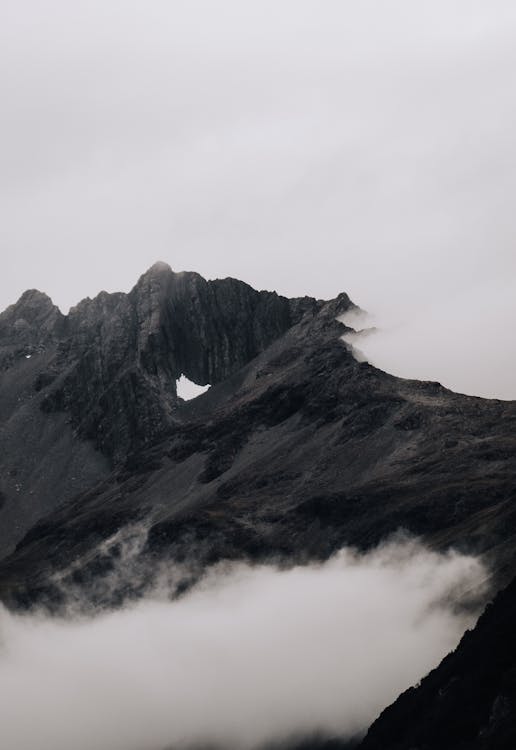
[[250, 656]]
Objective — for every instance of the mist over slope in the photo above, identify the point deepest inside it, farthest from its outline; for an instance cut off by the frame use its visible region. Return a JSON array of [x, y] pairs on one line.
[[306, 147], [250, 656], [236, 503], [469, 700]]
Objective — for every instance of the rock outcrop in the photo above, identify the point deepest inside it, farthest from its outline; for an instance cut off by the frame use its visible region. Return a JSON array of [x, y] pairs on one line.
[[121, 355], [28, 326], [88, 389], [290, 456], [107, 477]]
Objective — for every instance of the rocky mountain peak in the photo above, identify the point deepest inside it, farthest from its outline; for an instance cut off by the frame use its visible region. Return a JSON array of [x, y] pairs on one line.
[[105, 375], [31, 306], [34, 298], [296, 450], [159, 267], [118, 356], [30, 322]]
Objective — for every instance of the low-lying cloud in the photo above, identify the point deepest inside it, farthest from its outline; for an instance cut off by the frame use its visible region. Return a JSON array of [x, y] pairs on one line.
[[252, 655]]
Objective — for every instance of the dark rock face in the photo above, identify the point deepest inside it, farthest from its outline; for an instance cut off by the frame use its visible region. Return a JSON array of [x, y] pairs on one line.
[[122, 354], [301, 450], [42, 463], [88, 389], [296, 450], [28, 326]]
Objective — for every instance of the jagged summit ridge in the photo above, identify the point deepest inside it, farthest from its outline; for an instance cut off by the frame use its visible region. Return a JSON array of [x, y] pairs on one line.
[[101, 380], [137, 345], [33, 319], [295, 451]]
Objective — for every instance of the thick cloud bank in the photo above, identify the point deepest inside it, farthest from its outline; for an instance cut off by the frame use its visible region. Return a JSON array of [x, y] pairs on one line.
[[251, 655]]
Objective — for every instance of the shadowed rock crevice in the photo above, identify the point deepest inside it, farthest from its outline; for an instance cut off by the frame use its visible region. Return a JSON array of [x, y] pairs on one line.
[[297, 453], [83, 392], [296, 450], [122, 354]]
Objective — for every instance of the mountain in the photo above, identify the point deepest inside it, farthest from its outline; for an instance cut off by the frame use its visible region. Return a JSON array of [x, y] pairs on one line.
[[296, 449], [79, 393]]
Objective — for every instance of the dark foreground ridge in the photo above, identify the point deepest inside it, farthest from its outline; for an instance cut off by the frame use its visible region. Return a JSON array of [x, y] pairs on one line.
[[296, 449]]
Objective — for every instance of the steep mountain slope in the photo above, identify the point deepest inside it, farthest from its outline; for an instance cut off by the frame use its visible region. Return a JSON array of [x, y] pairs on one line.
[[42, 463], [78, 393], [296, 449], [109, 481]]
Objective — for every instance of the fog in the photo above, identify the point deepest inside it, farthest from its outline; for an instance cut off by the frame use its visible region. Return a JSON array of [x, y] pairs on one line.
[[351, 145], [465, 342], [250, 656]]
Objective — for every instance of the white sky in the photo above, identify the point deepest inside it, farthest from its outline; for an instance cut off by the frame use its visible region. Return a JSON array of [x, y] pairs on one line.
[[310, 147], [187, 390]]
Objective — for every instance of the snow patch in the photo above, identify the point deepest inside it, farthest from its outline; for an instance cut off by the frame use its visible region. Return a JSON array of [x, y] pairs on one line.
[[187, 390]]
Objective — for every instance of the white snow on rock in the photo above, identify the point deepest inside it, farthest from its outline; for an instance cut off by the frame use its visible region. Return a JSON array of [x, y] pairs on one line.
[[187, 390]]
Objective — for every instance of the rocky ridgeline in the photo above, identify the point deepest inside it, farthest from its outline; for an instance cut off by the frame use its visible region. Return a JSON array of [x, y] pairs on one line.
[[79, 393], [118, 356], [28, 326], [296, 450]]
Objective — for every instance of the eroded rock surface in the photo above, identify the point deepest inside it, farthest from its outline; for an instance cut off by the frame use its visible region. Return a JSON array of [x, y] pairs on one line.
[[107, 478], [301, 450], [79, 393]]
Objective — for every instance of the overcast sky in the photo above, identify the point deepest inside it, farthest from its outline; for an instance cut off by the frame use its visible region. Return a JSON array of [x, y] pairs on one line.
[[310, 147]]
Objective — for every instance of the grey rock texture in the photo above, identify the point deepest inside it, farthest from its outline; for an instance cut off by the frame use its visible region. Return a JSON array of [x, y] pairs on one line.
[[42, 463], [121, 355], [28, 326], [301, 450], [107, 478], [80, 393]]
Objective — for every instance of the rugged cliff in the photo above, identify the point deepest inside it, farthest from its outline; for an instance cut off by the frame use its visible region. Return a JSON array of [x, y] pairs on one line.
[[119, 356], [79, 393], [289, 455], [297, 448]]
